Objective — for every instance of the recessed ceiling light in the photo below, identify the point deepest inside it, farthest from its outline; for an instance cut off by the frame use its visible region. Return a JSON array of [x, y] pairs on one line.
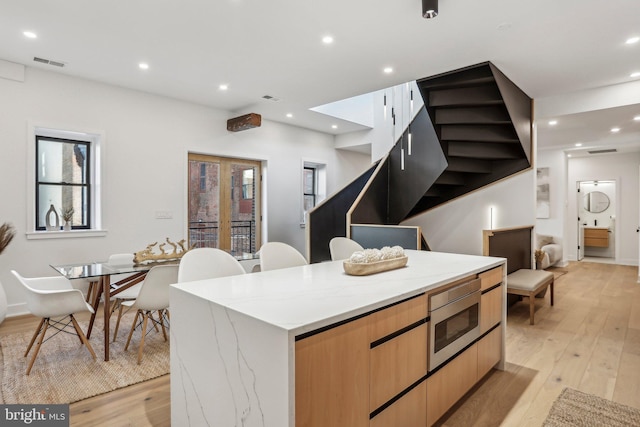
[[553, 122], [334, 126], [30, 35], [635, 74], [388, 70], [637, 118], [143, 66], [614, 130], [327, 40], [568, 155], [289, 115], [223, 87], [578, 144], [632, 40]]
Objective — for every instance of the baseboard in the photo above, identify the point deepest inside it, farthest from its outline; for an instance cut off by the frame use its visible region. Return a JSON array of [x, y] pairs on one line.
[[14, 310]]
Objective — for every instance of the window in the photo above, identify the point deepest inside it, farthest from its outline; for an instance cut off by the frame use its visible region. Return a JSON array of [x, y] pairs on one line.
[[64, 174], [310, 188], [224, 203], [314, 186], [63, 181]]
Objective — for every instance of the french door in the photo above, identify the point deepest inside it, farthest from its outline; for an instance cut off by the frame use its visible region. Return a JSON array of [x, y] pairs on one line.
[[224, 203]]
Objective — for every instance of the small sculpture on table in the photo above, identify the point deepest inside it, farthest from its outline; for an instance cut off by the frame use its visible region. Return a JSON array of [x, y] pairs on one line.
[[148, 255]]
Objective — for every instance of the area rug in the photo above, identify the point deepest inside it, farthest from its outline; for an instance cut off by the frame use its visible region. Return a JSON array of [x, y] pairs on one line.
[[574, 408], [64, 371]]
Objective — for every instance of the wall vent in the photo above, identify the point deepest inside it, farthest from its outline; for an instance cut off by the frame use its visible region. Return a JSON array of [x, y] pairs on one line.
[[48, 61], [608, 150]]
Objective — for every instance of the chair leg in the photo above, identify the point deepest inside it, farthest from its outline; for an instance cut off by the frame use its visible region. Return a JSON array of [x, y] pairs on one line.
[[33, 338], [115, 332], [146, 316], [164, 330], [133, 327], [40, 340], [82, 337]]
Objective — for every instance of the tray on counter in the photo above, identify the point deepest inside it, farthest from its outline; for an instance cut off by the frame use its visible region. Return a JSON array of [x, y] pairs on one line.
[[364, 269]]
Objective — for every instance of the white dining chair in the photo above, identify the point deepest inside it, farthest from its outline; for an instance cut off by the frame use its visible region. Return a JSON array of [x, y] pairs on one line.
[[152, 298], [127, 294], [53, 299], [207, 263], [276, 255], [343, 247]]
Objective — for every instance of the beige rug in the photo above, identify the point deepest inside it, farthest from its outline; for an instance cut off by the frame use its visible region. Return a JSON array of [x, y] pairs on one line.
[[574, 408], [64, 371]]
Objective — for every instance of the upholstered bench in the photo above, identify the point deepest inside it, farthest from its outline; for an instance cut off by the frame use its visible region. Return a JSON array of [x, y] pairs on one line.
[[529, 283]]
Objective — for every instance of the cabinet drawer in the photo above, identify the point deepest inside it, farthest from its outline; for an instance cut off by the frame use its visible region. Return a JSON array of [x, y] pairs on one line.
[[491, 309], [489, 351], [449, 384], [408, 411], [598, 233], [490, 278], [331, 371], [385, 322], [396, 364]]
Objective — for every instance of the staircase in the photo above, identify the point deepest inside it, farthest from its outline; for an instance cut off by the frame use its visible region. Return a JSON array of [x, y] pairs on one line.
[[483, 123], [474, 130]]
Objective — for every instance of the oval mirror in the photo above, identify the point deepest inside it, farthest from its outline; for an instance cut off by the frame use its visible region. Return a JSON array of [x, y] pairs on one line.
[[596, 202]]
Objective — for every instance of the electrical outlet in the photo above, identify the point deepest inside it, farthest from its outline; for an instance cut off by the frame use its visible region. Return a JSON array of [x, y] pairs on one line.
[[164, 215]]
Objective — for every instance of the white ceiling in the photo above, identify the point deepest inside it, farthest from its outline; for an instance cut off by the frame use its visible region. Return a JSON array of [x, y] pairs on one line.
[[273, 47]]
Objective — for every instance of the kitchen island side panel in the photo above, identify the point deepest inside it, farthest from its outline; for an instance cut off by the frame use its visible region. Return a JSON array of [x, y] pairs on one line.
[[227, 369]]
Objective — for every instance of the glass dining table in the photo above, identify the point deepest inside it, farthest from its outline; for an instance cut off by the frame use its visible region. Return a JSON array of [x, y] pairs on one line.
[[102, 272]]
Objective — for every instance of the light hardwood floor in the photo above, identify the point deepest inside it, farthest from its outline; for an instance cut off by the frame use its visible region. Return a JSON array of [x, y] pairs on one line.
[[589, 341]]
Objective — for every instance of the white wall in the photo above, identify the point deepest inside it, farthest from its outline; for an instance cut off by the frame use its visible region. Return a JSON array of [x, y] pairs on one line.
[[623, 168], [145, 155], [556, 161], [457, 226]]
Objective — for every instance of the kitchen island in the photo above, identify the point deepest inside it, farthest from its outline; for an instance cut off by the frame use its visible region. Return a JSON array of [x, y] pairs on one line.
[[261, 349]]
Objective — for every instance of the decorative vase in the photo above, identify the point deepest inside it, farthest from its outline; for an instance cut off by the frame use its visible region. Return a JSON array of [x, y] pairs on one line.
[[67, 226], [50, 226]]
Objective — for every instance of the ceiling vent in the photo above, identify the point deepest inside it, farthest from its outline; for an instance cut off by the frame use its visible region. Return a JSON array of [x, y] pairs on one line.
[[608, 150], [270, 98], [48, 61]]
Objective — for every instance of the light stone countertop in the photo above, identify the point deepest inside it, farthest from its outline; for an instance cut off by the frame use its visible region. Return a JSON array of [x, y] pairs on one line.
[[303, 299]]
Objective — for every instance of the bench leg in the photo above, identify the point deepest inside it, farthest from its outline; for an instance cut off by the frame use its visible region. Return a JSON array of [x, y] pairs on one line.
[[532, 307], [552, 293]]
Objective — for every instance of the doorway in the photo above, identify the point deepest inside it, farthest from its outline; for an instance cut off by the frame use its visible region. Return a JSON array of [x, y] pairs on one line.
[[224, 203], [596, 220]]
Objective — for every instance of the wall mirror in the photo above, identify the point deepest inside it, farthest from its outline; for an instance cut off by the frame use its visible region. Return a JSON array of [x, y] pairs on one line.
[[596, 202]]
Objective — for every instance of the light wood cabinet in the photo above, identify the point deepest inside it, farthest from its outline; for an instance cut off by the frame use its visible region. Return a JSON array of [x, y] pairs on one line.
[[491, 309], [372, 371], [409, 411], [396, 364], [490, 278], [332, 377], [389, 320], [450, 383], [489, 351], [596, 237]]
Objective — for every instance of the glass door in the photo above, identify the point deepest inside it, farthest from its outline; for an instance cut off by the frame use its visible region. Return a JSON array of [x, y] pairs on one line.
[[224, 203]]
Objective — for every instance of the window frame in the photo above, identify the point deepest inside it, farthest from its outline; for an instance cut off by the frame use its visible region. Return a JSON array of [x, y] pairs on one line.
[[87, 185], [97, 141], [320, 185]]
